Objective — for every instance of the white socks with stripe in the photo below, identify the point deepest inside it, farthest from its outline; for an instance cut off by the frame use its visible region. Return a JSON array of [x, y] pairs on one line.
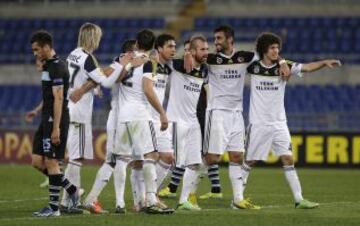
[[294, 182], [119, 181], [138, 187], [236, 181], [162, 171], [72, 173], [150, 181], [190, 184], [102, 178]]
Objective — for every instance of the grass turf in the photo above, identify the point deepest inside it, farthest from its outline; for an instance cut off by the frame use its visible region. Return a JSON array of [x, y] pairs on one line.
[[336, 190]]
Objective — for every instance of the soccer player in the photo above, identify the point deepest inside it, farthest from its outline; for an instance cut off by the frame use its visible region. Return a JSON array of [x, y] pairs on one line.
[[51, 136], [178, 172], [83, 66], [135, 129], [268, 127], [29, 117], [166, 48], [112, 164], [185, 91], [224, 129]]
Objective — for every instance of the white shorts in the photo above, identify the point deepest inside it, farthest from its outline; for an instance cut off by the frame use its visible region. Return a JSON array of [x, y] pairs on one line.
[[79, 142], [263, 138], [135, 138], [163, 139], [187, 144], [224, 131]]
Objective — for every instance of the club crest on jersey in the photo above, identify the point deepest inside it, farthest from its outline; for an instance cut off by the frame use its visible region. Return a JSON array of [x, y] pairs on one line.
[[276, 72], [219, 60], [240, 59], [256, 69]]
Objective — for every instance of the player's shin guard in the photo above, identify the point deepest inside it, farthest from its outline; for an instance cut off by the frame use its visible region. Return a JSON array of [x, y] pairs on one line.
[[119, 181], [190, 184], [102, 178], [150, 181], [294, 182], [236, 181], [162, 171]]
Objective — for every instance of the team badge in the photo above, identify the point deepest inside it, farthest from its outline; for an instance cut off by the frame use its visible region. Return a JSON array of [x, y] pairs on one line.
[[219, 60], [240, 59], [256, 69], [276, 72]]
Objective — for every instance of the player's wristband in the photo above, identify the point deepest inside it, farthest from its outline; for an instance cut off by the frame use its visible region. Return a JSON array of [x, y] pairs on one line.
[[128, 67], [282, 61]]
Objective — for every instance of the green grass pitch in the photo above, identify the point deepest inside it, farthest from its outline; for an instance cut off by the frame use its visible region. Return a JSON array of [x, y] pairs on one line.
[[338, 192]]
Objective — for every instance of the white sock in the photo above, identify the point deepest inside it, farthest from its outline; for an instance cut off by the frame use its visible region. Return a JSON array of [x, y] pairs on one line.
[[236, 181], [102, 178], [190, 184], [138, 187], [162, 171], [294, 182], [245, 171], [72, 173], [119, 181], [150, 181]]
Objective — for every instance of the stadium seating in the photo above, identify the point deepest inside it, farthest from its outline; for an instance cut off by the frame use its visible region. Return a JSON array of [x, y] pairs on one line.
[[15, 34], [305, 38], [308, 107]]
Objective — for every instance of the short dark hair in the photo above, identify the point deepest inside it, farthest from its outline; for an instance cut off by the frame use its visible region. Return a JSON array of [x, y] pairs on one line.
[[228, 31], [162, 39], [195, 38], [187, 41], [128, 45], [264, 40], [145, 39], [42, 37]]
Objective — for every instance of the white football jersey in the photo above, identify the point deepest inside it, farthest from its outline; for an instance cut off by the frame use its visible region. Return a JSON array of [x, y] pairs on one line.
[[133, 104], [83, 66], [185, 91], [227, 78], [160, 82], [267, 93]]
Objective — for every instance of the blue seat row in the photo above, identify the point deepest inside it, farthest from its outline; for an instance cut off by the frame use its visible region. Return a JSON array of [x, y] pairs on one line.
[[75, 23], [277, 22]]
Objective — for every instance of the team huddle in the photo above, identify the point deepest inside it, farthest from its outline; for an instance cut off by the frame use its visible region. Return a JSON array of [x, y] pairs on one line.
[[168, 116]]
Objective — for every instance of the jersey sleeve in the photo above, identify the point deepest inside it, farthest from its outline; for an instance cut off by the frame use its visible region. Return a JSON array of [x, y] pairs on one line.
[[98, 76], [115, 61], [295, 68], [247, 56], [56, 74], [148, 70]]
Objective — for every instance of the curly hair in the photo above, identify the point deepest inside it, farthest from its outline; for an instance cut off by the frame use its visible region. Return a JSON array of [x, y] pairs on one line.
[[264, 40]]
